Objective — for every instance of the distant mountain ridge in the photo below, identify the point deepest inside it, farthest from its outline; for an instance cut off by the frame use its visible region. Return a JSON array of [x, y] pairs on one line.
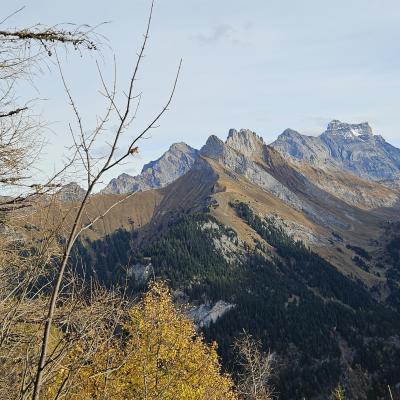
[[349, 147], [352, 148], [71, 192], [175, 162]]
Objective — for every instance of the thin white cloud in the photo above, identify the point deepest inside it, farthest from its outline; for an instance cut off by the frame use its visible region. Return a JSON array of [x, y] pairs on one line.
[[223, 33]]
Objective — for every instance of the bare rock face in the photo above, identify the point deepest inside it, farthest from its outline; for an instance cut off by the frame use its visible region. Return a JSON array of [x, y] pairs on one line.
[[391, 183], [205, 314], [246, 142], [349, 147], [141, 272], [214, 148], [71, 192], [174, 163], [301, 147]]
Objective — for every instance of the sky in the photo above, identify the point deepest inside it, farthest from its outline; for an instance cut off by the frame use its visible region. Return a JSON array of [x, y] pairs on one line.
[[265, 65]]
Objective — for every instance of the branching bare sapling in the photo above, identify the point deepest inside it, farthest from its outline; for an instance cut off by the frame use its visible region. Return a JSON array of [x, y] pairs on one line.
[[254, 382]]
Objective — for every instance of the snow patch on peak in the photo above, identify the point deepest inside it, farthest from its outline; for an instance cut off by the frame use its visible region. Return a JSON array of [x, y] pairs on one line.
[[347, 130]]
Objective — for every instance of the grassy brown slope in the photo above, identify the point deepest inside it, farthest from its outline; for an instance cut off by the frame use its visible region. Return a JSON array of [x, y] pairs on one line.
[[351, 188], [239, 188], [133, 213], [151, 212]]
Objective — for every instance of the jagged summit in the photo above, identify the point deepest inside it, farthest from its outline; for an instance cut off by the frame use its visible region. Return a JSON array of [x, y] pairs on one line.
[[348, 130], [243, 134], [245, 141]]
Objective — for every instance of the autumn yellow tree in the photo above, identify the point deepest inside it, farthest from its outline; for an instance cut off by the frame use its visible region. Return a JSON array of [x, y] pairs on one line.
[[159, 355], [338, 393]]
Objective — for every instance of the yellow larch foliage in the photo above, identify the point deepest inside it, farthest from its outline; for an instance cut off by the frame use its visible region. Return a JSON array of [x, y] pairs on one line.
[[338, 393], [162, 357]]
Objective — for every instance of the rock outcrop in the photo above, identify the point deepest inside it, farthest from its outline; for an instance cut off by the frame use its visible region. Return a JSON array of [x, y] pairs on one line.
[[205, 314]]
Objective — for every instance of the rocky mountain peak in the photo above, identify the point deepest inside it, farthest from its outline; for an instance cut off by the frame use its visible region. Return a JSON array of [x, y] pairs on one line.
[[177, 152], [180, 147], [289, 133], [124, 175], [213, 148], [350, 147], [174, 163], [245, 141], [213, 140], [346, 130], [71, 192]]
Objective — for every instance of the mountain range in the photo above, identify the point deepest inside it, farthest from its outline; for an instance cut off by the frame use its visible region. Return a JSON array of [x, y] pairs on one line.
[[297, 242], [345, 147]]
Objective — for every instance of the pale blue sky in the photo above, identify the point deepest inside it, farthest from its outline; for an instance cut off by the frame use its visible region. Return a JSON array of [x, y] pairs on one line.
[[265, 65]]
